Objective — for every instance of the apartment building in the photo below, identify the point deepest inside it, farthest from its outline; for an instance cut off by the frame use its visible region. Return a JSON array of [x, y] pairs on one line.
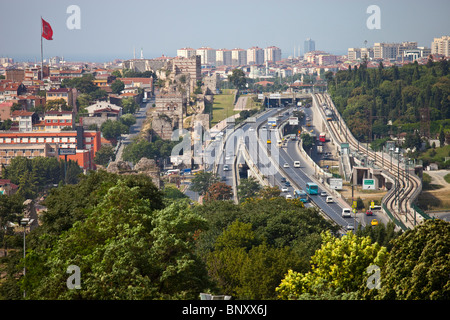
[[186, 52], [223, 57], [23, 119], [441, 46], [392, 50], [207, 55], [255, 55], [61, 93], [48, 144], [238, 57], [56, 121], [272, 54]]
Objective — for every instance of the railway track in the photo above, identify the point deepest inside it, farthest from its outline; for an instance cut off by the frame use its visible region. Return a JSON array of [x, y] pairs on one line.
[[407, 185]]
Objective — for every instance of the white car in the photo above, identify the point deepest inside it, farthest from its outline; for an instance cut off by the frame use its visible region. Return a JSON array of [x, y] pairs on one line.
[[346, 213], [329, 199], [251, 129], [284, 189], [286, 165], [323, 194], [297, 164], [226, 167], [288, 196]]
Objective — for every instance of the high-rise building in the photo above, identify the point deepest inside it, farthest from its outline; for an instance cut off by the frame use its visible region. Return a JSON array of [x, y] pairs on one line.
[[223, 57], [207, 54], [255, 55], [441, 46], [186, 52], [391, 50], [309, 45], [272, 54], [238, 57]]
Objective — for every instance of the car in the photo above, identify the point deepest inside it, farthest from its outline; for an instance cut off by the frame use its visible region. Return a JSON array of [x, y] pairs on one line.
[[264, 127], [329, 199], [284, 189], [224, 178], [251, 129], [323, 194], [369, 213], [297, 164], [287, 184], [283, 179], [226, 167], [288, 196], [350, 227], [346, 213], [374, 222], [286, 165], [269, 141]]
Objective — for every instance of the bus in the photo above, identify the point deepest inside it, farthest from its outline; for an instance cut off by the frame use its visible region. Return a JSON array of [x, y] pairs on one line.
[[323, 137], [302, 195], [312, 188]]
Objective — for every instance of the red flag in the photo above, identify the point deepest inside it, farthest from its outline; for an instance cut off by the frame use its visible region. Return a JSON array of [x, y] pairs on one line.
[[47, 31]]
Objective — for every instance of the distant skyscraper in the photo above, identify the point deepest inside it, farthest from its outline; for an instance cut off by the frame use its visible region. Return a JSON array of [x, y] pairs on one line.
[[310, 45]]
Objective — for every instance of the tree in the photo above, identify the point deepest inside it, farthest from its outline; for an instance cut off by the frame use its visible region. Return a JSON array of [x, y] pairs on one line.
[[418, 264], [125, 250], [441, 138], [113, 129], [269, 192], [339, 266], [219, 191], [129, 105], [238, 79], [202, 181], [248, 188], [244, 266], [117, 86], [104, 154], [307, 141]]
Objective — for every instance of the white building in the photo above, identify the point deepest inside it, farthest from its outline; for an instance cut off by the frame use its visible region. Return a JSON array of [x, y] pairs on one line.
[[186, 52], [207, 55], [272, 54], [223, 57], [441, 46], [255, 55], [238, 57]]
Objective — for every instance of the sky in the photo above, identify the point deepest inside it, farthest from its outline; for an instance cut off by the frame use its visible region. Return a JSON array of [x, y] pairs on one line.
[[114, 29]]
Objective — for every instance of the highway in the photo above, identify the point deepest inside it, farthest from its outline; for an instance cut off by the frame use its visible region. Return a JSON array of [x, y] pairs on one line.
[[270, 160], [409, 185]]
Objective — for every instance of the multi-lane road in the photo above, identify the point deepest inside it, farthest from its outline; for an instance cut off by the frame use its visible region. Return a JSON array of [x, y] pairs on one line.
[[276, 163]]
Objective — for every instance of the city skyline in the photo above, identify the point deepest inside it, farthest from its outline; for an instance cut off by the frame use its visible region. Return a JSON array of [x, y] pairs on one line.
[[110, 30]]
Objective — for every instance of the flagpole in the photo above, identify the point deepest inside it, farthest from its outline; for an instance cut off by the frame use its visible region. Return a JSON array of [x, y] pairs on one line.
[[42, 59]]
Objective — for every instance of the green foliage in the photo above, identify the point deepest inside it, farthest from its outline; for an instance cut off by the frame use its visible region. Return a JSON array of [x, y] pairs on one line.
[[395, 94], [117, 86], [202, 181], [244, 269], [248, 188], [121, 249], [104, 154], [419, 263], [31, 175], [113, 129], [340, 265], [141, 148], [307, 141], [238, 79]]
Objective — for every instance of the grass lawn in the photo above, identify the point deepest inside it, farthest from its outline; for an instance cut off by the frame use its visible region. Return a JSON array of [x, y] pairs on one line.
[[223, 106]]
